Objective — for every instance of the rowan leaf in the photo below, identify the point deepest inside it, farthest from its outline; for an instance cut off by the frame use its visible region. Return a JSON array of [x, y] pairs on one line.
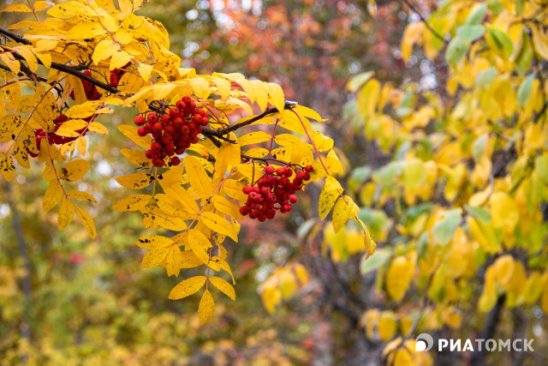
[[222, 285], [206, 307], [187, 287]]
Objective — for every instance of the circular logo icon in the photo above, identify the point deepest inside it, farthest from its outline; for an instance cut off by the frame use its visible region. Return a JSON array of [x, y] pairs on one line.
[[423, 342]]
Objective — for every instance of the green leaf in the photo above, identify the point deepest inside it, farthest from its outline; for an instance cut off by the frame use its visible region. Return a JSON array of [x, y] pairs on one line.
[[377, 260], [524, 91], [486, 77], [443, 230], [357, 81], [478, 213], [477, 15], [470, 33], [456, 50], [502, 42]]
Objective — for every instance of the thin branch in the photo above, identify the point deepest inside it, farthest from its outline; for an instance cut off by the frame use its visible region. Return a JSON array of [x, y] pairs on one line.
[[223, 131], [73, 70], [424, 20]]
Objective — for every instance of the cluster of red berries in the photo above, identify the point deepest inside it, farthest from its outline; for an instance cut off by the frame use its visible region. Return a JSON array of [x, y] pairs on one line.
[[274, 192], [52, 137], [172, 132]]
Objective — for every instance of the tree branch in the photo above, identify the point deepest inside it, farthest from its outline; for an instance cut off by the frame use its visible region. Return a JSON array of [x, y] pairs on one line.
[[424, 20], [478, 358], [72, 70]]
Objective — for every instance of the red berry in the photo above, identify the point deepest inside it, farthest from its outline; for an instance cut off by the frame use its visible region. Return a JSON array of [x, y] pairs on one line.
[[175, 161], [139, 120], [269, 170], [152, 117], [244, 210], [141, 131]]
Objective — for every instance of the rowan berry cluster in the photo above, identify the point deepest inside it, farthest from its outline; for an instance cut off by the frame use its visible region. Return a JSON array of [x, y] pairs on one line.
[[172, 132], [275, 191]]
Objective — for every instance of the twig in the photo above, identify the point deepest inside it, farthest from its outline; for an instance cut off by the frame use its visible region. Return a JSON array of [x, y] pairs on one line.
[[425, 21]]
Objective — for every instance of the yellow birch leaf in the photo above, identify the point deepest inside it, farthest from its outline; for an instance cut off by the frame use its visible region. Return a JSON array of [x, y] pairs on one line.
[[135, 181], [87, 220], [134, 202], [399, 277], [206, 307], [222, 285], [187, 287], [198, 178], [387, 326]]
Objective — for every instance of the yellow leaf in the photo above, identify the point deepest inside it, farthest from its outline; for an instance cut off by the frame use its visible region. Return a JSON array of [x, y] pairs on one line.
[[399, 277], [200, 245], [75, 170], [219, 225], [198, 178], [134, 202], [187, 287], [504, 211], [16, 8], [206, 307], [10, 62], [145, 71], [119, 59], [86, 30], [200, 87], [97, 128], [135, 181], [87, 220], [153, 242], [344, 210], [131, 133], [411, 35], [82, 196], [153, 217], [52, 196], [276, 96], [222, 285], [70, 128], [331, 191], [84, 110], [387, 326], [66, 213], [255, 137], [136, 157], [104, 50]]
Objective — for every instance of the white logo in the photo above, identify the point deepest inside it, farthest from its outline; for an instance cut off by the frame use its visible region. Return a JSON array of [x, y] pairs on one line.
[[424, 342]]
